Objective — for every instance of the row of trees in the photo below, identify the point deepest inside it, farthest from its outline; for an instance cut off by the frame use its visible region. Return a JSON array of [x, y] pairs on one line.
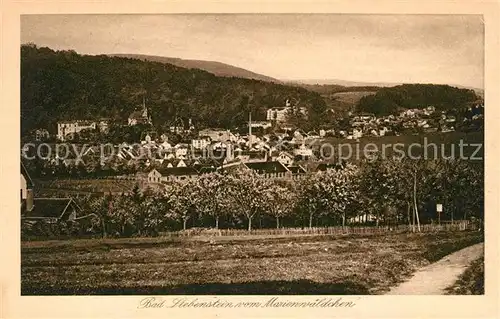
[[391, 191]]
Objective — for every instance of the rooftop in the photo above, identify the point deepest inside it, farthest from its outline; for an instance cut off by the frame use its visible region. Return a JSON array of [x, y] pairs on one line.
[[27, 177], [49, 207], [267, 167], [297, 169], [177, 171]]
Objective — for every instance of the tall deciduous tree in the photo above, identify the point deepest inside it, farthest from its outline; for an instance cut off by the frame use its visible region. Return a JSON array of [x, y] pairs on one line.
[[182, 198], [212, 193], [331, 193], [280, 201], [248, 190]]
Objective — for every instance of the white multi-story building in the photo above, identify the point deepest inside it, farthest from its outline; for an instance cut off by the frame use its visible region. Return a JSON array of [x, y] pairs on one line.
[[278, 114], [67, 129]]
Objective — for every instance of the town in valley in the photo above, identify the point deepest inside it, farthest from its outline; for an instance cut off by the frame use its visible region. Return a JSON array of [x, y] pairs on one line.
[[155, 166]]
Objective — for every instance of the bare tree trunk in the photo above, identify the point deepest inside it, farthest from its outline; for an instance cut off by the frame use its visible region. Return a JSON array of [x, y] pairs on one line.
[[310, 220], [104, 235], [184, 222], [250, 223], [415, 199], [408, 213], [413, 222], [343, 220], [277, 222], [216, 222]]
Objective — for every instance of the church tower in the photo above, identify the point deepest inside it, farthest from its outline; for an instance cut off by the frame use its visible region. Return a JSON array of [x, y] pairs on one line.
[[144, 108], [146, 117]]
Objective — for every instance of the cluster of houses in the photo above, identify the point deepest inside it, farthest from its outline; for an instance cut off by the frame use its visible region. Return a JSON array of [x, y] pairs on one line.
[[426, 120], [218, 150], [366, 124], [276, 154]]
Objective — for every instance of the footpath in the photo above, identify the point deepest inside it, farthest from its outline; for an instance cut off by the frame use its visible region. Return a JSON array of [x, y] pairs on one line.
[[435, 278]]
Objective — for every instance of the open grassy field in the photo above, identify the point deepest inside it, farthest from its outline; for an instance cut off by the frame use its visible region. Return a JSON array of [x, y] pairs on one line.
[[353, 264], [84, 186], [351, 97]]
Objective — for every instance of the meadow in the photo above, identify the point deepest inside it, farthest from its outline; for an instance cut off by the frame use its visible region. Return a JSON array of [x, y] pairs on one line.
[[324, 264], [67, 186], [351, 97]]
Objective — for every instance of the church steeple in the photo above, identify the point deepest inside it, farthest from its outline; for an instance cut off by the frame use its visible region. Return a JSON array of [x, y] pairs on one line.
[[144, 109]]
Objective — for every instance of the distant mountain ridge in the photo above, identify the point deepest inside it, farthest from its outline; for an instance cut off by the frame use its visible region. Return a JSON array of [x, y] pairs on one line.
[[341, 82], [214, 67], [370, 84], [227, 70]]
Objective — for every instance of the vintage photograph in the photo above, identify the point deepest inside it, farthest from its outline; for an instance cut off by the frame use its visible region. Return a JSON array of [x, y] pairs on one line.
[[252, 154]]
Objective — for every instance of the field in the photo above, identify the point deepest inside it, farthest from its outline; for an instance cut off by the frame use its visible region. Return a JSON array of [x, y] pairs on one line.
[[351, 97], [83, 186], [352, 264]]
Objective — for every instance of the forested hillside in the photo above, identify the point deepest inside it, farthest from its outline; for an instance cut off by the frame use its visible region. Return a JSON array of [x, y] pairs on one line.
[[392, 99], [217, 68], [59, 85]]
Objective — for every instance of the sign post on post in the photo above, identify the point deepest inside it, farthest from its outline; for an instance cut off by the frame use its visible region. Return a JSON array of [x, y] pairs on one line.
[[439, 209]]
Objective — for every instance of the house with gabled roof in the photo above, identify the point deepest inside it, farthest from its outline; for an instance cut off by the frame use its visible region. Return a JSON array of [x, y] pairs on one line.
[[235, 166], [170, 174], [54, 210], [270, 169], [49, 210], [27, 188], [285, 158]]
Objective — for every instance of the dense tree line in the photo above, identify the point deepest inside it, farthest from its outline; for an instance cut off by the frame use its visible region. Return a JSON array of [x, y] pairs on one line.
[[329, 89], [392, 191], [57, 85], [391, 100]]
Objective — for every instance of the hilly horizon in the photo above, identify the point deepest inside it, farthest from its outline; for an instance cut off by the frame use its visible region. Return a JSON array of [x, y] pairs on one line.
[[214, 67], [227, 70], [346, 83]]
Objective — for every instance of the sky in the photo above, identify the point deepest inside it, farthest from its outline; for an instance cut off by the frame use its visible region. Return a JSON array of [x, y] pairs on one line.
[[442, 49]]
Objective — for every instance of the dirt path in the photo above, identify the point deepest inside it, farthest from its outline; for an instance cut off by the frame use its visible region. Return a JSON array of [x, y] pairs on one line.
[[435, 278]]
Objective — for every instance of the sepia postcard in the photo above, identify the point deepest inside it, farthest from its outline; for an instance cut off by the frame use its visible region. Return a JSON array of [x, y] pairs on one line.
[[257, 159]]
